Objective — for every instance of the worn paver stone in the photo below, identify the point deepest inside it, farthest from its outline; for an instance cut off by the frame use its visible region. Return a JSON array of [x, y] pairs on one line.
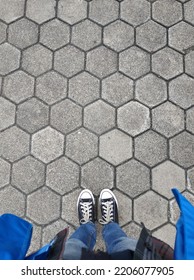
[[9, 57], [7, 113], [189, 65], [40, 11], [10, 10], [190, 178], [5, 169], [189, 120], [188, 11], [3, 28], [69, 214], [168, 233], [125, 208]]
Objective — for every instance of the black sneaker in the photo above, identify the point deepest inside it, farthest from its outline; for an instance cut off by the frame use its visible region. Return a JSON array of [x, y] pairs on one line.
[[108, 207], [85, 206]]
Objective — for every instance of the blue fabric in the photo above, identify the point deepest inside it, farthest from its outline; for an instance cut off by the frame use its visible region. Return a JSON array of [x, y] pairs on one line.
[[184, 241]]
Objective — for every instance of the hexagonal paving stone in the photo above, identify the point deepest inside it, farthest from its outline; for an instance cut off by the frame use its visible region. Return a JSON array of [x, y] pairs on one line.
[[168, 119], [150, 148], [133, 118], [188, 8], [69, 214], [72, 11], [182, 84], [167, 12], [125, 208], [69, 61], [3, 28], [32, 115], [101, 61], [28, 174], [189, 66], [9, 57], [54, 34], [151, 36], [167, 63], [18, 86], [40, 11], [97, 175], [35, 242], [103, 11], [81, 146], [167, 234], [181, 149], [14, 143], [66, 116], [118, 35], [47, 144], [190, 178], [7, 113], [12, 201], [10, 10], [151, 209], [115, 147], [84, 88], [117, 89], [43, 206], [134, 62], [135, 12], [180, 37], [4, 172], [62, 175], [133, 178], [167, 176], [37, 60], [23, 33], [86, 35], [151, 90], [51, 87], [133, 230], [189, 119], [96, 113]]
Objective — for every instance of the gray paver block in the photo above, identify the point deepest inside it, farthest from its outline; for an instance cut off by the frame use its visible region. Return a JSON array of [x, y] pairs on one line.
[[103, 11], [117, 89], [168, 233], [189, 120], [23, 33], [167, 176], [3, 28], [167, 12], [151, 209], [188, 11], [7, 113], [47, 144], [182, 84], [181, 149], [84, 88], [96, 113], [72, 11], [190, 178], [181, 36], [133, 178], [54, 34], [62, 175], [36, 238], [86, 35], [134, 62], [125, 208], [18, 86], [43, 206], [97, 175], [66, 116], [133, 118], [69, 214], [37, 60], [10, 10], [150, 148], [9, 57], [115, 146], [151, 90], [81, 145], [32, 115], [101, 61], [133, 230], [14, 143], [167, 63], [28, 174], [51, 87], [118, 35], [69, 61], [189, 66], [151, 36], [168, 119], [135, 12], [5, 169], [40, 11]]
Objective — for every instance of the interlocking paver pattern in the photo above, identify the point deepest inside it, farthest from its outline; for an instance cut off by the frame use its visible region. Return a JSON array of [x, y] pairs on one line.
[[96, 94]]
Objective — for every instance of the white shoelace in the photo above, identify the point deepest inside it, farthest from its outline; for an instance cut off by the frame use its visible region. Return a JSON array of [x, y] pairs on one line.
[[86, 208], [107, 209]]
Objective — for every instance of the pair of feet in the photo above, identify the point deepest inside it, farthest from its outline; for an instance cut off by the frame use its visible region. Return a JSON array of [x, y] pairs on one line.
[[108, 207]]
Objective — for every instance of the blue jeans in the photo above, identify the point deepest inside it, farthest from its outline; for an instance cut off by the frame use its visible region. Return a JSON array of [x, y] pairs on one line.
[[85, 237]]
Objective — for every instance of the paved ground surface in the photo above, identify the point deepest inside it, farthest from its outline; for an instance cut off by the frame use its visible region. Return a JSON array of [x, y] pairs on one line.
[[96, 94]]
